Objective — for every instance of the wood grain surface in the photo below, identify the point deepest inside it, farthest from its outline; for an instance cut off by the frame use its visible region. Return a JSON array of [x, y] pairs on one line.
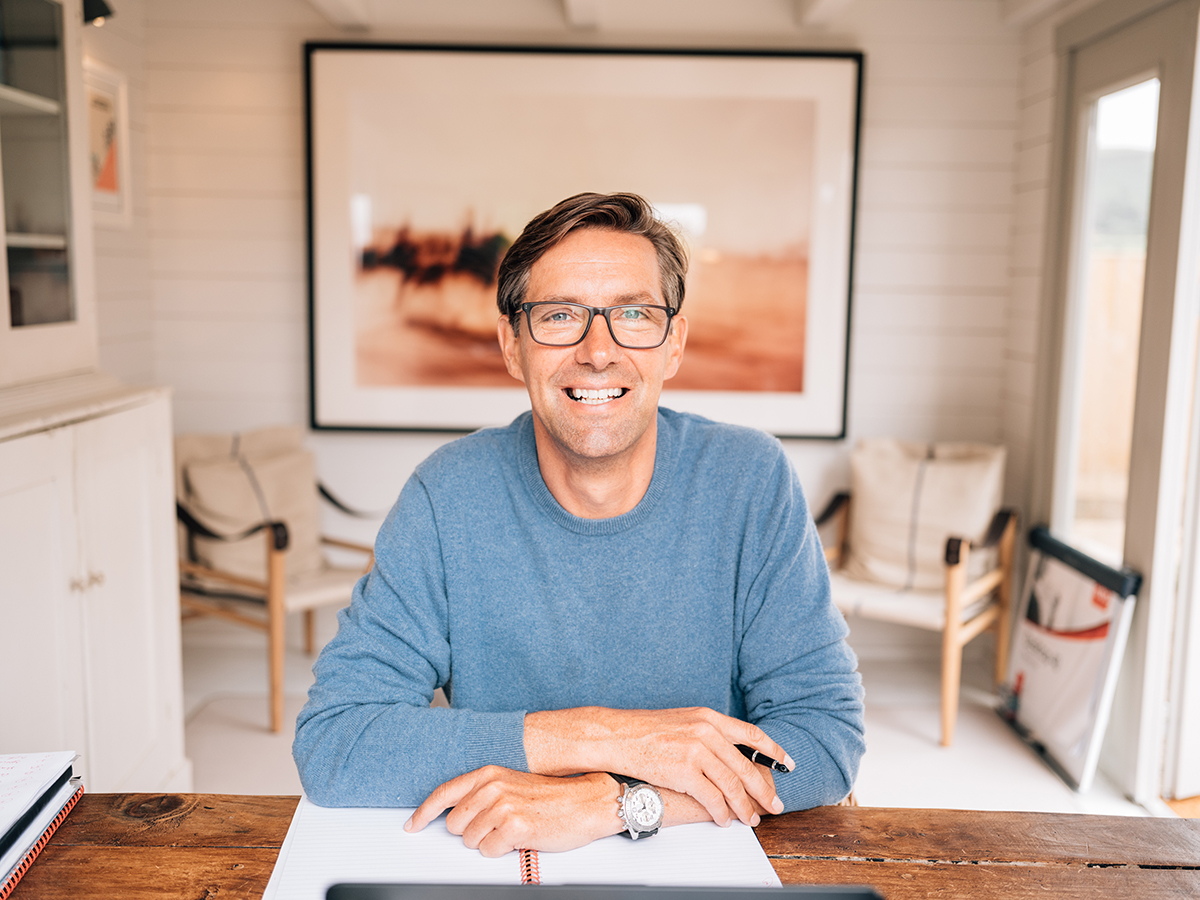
[[921, 853], [163, 846], [955, 836], [207, 846]]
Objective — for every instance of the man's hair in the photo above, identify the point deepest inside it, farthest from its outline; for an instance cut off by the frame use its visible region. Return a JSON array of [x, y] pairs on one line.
[[628, 213]]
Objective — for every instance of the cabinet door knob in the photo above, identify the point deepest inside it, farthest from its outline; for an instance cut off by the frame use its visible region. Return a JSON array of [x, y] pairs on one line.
[[78, 585], [95, 578]]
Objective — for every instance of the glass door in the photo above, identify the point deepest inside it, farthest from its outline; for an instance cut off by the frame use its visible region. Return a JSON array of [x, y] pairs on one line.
[[1104, 317], [1121, 301]]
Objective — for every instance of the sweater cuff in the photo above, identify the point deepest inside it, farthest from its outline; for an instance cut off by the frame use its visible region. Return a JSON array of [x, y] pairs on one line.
[[493, 739]]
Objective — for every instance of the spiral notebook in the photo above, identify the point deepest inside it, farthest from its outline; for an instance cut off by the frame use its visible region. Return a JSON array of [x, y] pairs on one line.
[[328, 846], [36, 793]]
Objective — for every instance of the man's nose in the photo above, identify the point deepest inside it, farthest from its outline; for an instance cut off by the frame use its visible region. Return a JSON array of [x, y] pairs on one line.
[[598, 344]]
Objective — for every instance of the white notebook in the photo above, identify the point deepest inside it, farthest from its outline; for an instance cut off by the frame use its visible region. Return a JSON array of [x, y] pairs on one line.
[[327, 846]]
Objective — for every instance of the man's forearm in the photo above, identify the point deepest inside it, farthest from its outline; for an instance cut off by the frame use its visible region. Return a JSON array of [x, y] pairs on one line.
[[496, 810], [690, 751], [567, 741]]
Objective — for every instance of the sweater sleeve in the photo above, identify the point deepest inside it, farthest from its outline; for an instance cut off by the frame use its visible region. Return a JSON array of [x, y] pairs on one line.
[[798, 676], [368, 736]]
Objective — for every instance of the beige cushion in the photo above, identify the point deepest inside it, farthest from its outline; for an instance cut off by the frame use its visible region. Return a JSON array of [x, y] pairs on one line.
[[920, 609], [190, 448], [908, 498], [332, 585], [231, 483]]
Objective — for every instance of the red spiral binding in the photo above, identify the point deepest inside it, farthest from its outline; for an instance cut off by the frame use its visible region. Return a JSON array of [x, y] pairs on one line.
[[529, 868], [21, 869]]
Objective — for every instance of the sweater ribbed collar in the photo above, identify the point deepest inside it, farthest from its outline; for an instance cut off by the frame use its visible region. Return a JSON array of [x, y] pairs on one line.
[[659, 482]]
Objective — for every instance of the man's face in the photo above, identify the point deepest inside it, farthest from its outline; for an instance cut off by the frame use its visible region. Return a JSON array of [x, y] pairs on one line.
[[596, 267]]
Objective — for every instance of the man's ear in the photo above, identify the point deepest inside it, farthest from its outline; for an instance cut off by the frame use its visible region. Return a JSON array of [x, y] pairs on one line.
[[675, 343], [510, 348]]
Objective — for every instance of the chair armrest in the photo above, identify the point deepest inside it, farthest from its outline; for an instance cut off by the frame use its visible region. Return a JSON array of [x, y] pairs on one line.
[[279, 531], [835, 506], [837, 509], [999, 525], [329, 497]]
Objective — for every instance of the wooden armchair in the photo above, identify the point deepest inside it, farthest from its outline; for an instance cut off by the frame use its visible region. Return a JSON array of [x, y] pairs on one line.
[[961, 611], [274, 562]]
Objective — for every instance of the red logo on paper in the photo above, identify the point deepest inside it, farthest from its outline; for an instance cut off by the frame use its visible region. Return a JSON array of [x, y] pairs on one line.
[[1101, 597]]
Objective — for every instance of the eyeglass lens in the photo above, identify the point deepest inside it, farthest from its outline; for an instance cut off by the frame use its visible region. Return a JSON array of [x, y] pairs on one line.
[[563, 324]]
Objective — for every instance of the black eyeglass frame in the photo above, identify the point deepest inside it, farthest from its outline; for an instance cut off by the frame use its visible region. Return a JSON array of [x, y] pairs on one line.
[[605, 312]]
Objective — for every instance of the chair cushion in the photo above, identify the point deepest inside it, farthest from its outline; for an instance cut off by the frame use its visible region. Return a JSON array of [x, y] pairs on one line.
[[920, 609], [908, 498], [328, 585], [233, 484]]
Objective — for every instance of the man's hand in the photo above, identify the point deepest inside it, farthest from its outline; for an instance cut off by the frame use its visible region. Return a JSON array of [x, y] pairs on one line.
[[691, 751], [497, 810]]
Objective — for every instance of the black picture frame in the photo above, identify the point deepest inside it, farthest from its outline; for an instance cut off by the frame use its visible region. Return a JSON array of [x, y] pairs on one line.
[[421, 156]]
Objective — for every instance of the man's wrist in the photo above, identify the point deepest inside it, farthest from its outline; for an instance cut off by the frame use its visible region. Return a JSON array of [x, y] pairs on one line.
[[602, 812]]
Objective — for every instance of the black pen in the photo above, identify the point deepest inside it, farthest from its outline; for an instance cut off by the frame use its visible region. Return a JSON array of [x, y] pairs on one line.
[[757, 756]]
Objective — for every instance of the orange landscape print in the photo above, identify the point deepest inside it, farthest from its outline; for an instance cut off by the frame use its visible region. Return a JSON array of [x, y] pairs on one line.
[[425, 315]]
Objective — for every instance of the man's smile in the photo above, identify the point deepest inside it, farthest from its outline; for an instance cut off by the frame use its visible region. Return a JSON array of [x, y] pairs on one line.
[[600, 395]]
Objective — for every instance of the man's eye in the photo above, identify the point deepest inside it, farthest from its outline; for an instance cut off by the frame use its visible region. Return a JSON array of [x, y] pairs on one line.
[[558, 315], [633, 312]]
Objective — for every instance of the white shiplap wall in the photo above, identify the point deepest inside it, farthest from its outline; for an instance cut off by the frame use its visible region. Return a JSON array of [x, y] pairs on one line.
[[1039, 71], [935, 343], [125, 312]]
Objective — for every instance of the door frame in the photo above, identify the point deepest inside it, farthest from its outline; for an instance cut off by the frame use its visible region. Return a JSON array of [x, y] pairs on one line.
[[1133, 753]]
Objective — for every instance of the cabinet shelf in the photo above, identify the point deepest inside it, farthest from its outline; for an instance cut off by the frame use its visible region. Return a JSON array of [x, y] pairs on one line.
[[35, 241], [16, 102]]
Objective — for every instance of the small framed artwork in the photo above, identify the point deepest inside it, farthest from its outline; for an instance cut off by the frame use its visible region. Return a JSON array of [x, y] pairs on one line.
[[425, 162], [107, 92]]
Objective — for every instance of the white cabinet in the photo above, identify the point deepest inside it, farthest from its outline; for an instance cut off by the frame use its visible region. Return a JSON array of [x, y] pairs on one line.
[[47, 316], [89, 602]]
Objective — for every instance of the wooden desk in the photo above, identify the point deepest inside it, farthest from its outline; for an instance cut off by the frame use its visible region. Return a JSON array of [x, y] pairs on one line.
[[207, 846]]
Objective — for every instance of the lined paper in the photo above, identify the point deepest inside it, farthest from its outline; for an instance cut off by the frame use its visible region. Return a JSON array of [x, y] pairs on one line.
[[326, 846], [24, 777], [12, 858], [688, 855]]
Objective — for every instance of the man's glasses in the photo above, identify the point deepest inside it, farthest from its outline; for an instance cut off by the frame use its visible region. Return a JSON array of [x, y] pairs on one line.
[[634, 327]]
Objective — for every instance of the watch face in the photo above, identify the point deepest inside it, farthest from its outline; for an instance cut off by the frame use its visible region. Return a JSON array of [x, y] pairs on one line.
[[645, 808]]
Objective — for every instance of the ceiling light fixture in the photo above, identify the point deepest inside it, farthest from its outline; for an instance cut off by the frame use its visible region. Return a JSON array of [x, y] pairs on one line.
[[95, 12]]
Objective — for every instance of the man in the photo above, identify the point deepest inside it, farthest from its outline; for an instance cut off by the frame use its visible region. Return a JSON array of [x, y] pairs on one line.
[[603, 586]]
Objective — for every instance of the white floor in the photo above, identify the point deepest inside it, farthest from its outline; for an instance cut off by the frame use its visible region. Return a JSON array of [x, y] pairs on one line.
[[987, 768]]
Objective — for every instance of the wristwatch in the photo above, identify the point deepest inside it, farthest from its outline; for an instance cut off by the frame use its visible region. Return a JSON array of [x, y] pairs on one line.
[[640, 807]]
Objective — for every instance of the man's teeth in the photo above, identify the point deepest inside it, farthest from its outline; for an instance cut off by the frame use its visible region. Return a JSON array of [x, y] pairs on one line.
[[603, 395]]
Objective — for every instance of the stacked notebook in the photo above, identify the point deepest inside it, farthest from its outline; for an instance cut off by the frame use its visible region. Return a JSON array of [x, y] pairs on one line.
[[37, 791]]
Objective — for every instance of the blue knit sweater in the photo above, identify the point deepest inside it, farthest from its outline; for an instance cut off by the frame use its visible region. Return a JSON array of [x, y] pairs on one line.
[[712, 591]]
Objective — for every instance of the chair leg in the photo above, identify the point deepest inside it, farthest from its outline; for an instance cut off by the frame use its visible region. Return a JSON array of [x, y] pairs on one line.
[[952, 641], [276, 622], [1002, 638], [951, 684], [310, 631], [1004, 596]]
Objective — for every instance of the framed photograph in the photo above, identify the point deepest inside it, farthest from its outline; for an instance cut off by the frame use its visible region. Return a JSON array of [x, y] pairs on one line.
[[425, 162], [107, 92]]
